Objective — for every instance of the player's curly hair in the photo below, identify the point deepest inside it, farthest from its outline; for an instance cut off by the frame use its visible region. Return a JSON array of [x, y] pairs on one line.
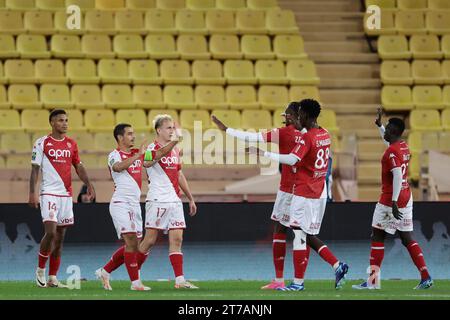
[[399, 124], [311, 107], [294, 106]]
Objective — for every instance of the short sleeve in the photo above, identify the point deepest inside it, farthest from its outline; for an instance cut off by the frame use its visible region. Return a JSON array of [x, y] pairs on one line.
[[393, 160], [272, 136], [76, 156], [38, 152], [114, 157], [302, 148]]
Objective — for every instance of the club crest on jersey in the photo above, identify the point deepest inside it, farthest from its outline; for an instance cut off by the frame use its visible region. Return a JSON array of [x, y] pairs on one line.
[[69, 145]]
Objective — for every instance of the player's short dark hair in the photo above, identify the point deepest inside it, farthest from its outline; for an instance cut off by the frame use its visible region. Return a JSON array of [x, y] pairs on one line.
[[294, 106], [311, 107], [55, 113], [119, 130], [399, 124]]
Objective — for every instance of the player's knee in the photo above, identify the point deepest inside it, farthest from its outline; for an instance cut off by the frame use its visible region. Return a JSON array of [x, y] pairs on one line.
[[50, 234], [176, 241], [406, 241]]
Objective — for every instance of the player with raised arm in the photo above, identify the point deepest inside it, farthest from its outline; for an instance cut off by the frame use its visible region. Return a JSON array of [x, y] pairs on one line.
[[54, 155], [394, 210], [310, 160], [164, 209], [287, 138], [125, 164]]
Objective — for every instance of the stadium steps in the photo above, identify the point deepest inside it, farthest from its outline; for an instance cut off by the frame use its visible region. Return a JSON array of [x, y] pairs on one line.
[[349, 76], [320, 5]]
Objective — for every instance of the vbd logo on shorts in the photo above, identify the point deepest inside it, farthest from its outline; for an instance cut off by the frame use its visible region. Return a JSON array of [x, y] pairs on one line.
[[67, 221], [58, 153], [177, 224], [169, 160]]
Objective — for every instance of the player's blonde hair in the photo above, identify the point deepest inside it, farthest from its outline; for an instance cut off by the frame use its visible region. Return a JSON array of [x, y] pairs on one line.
[[160, 119]]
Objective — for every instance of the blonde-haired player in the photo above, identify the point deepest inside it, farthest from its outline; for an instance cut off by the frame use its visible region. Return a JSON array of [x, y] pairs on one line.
[[164, 209]]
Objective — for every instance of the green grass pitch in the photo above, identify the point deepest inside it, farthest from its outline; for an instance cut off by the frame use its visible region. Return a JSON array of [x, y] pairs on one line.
[[225, 290]]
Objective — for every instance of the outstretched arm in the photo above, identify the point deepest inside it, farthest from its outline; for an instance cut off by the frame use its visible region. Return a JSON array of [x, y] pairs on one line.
[[152, 157], [33, 200], [288, 159], [82, 173], [241, 135]]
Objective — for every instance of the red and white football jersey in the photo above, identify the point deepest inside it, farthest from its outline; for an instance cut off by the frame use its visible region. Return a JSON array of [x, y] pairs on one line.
[[397, 155], [313, 153], [55, 157], [286, 138], [127, 183], [163, 176]]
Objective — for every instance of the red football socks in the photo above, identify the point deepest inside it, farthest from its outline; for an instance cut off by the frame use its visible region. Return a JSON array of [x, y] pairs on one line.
[[176, 259], [279, 253], [54, 265], [417, 256], [327, 255], [116, 261], [132, 265], [42, 259]]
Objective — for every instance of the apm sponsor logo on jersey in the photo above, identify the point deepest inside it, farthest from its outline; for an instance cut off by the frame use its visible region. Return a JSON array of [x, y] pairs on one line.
[[169, 161], [135, 167], [58, 153]]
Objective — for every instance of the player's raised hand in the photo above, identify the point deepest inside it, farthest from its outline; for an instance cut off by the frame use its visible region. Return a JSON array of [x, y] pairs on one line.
[[33, 201], [379, 114], [177, 134], [395, 212], [218, 123], [143, 147], [192, 208]]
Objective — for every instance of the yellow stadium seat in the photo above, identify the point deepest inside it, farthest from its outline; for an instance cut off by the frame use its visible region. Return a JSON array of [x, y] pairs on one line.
[[189, 117], [256, 119], [444, 142], [83, 4], [288, 47], [438, 22], [302, 72], [117, 96], [415, 141], [153, 113], [262, 4], [129, 46], [23, 5], [4, 104], [395, 98], [144, 72], [446, 71], [19, 71], [231, 118], [60, 22], [100, 21], [446, 119], [24, 96], [176, 72], [113, 71], [87, 96], [327, 120], [298, 93], [11, 22], [51, 5], [92, 161], [190, 22], [224, 47], [387, 24], [220, 22], [160, 22], [148, 97], [396, 73], [438, 4], [7, 46], [16, 161], [207, 72], [3, 79], [392, 47], [210, 97], [278, 118], [270, 72], [32, 46], [383, 4], [200, 4], [130, 22], [85, 140], [412, 4], [55, 96], [97, 46], [75, 121], [231, 4], [281, 22], [170, 4], [427, 97], [9, 121], [423, 141], [251, 22], [99, 120], [193, 47], [66, 46], [142, 5], [50, 71], [239, 72], [137, 118], [35, 120], [425, 47], [105, 141], [445, 44], [110, 4], [273, 97], [446, 96], [256, 47], [425, 120], [179, 97], [82, 71], [410, 22], [39, 22], [242, 97], [161, 46], [427, 72], [16, 142]]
